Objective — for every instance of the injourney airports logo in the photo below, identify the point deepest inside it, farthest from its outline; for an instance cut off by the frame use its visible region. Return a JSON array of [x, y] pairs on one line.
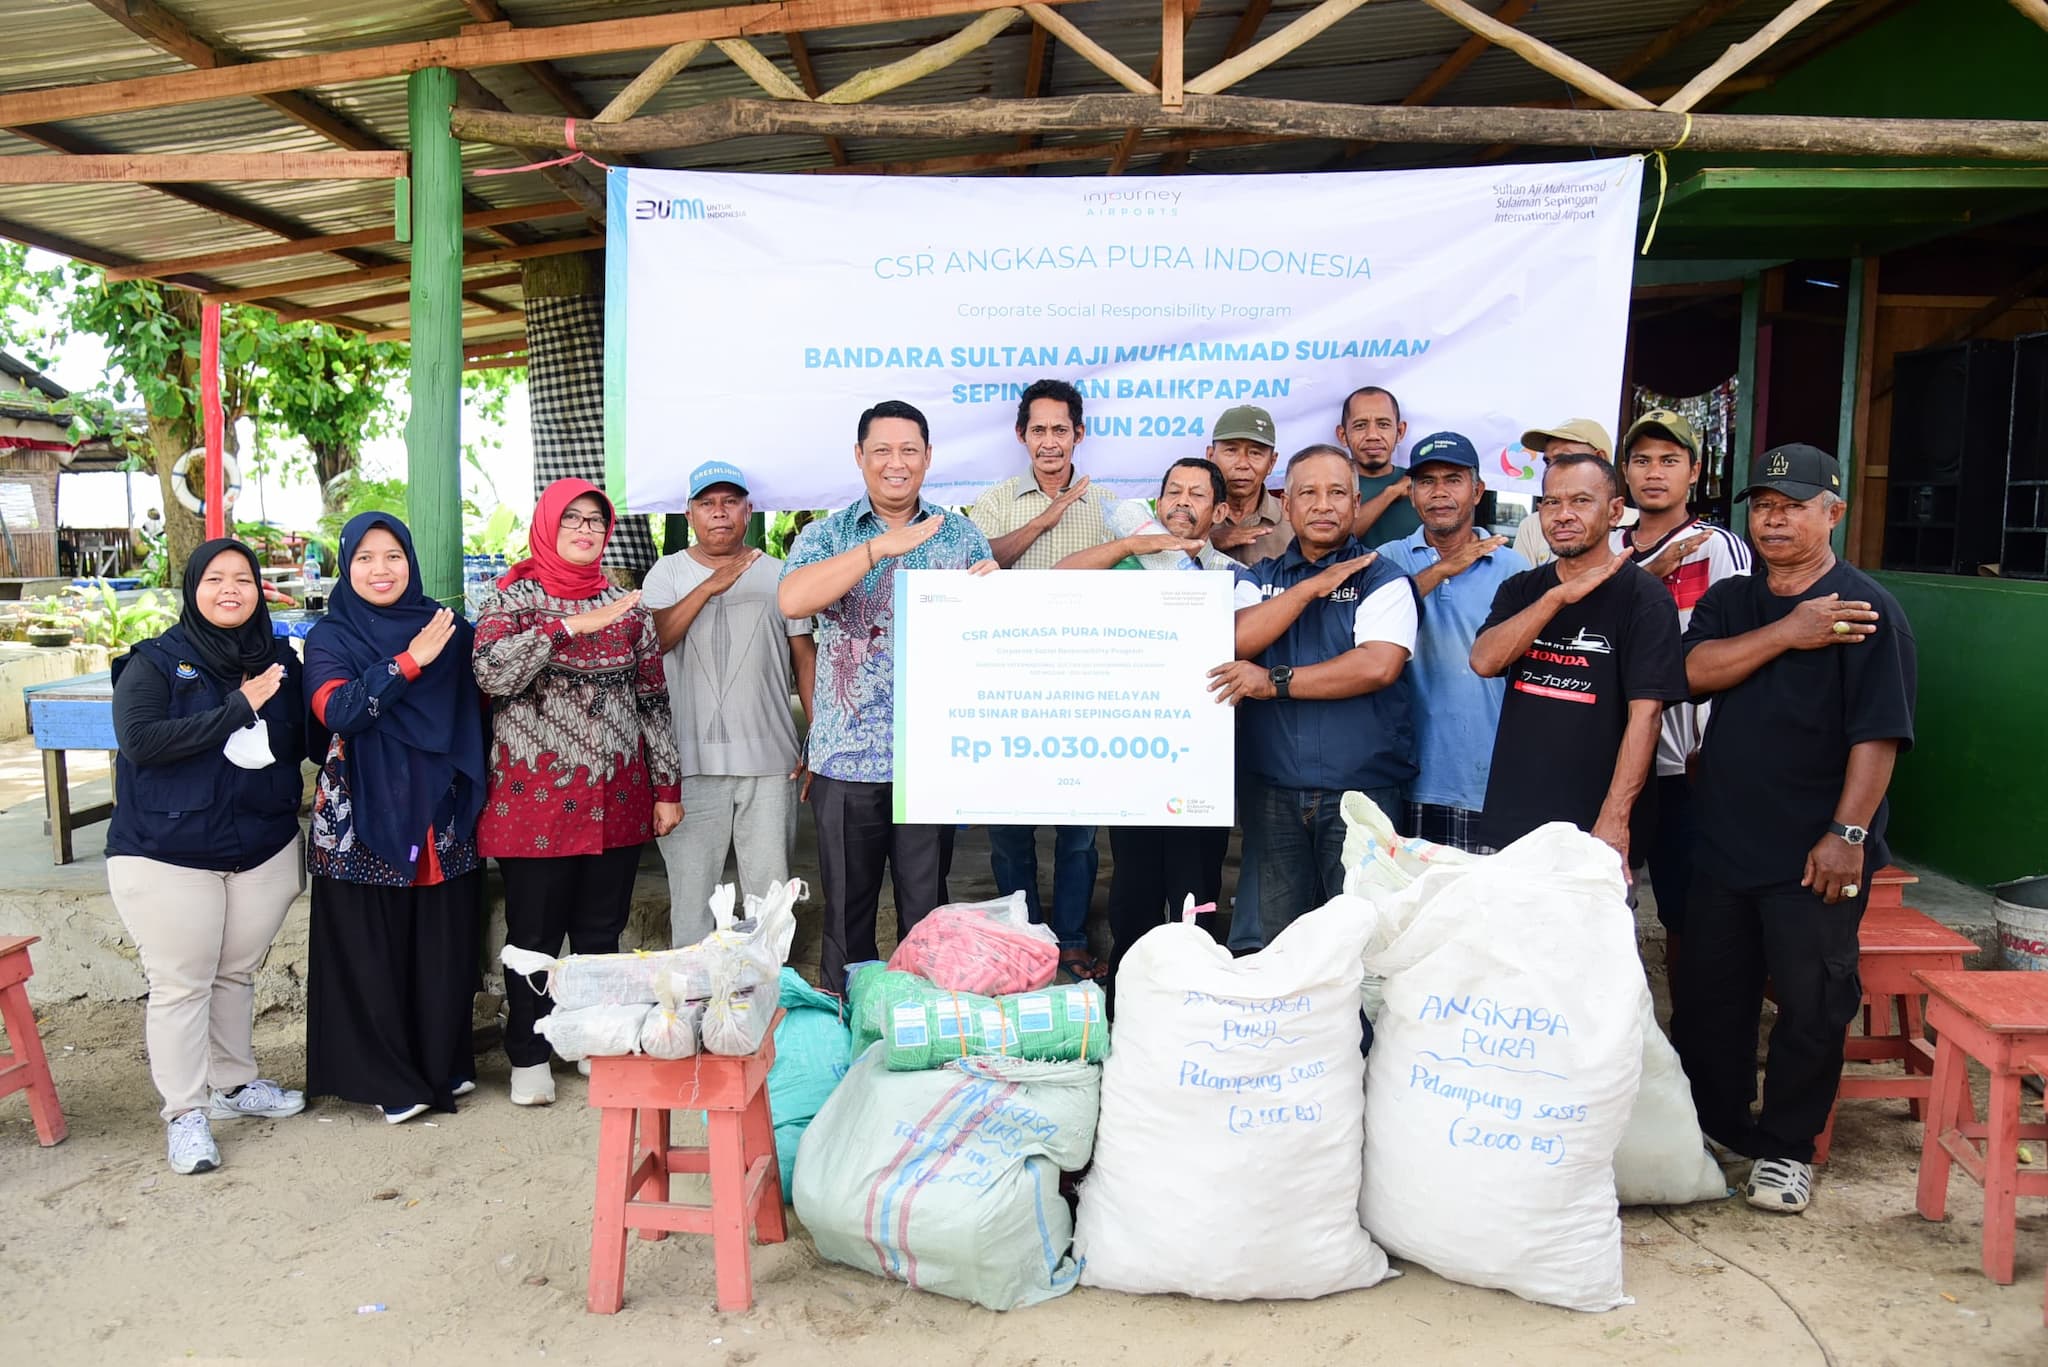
[[1131, 203]]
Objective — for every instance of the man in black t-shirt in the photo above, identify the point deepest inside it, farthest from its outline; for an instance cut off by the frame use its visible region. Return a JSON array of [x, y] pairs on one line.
[[1589, 646], [1810, 665]]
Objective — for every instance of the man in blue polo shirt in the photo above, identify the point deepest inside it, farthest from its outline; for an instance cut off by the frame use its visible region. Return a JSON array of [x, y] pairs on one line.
[[1456, 572], [1324, 632]]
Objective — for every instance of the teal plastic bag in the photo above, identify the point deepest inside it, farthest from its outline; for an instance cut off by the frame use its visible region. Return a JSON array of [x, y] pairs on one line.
[[811, 1056]]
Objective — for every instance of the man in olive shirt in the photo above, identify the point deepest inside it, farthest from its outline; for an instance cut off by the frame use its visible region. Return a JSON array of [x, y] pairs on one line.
[[1251, 524], [1370, 428]]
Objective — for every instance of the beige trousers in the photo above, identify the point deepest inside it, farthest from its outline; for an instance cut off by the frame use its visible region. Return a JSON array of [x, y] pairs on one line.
[[201, 935]]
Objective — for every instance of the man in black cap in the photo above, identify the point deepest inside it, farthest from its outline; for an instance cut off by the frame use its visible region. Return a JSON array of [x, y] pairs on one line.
[[1811, 669]]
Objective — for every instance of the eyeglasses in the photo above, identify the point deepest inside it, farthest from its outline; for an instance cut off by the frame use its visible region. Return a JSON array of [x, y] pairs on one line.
[[572, 521]]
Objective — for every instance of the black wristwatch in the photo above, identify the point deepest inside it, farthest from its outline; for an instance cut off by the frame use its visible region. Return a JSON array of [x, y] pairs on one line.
[[1854, 835], [1281, 675]]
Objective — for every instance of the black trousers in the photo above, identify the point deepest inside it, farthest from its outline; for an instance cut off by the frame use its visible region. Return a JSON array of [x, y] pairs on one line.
[[1670, 848], [585, 897], [857, 837], [391, 979], [1733, 942], [1156, 869]]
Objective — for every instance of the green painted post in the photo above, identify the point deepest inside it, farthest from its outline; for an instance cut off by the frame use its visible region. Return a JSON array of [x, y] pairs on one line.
[[1845, 435], [757, 531], [433, 435], [675, 533], [1745, 402]]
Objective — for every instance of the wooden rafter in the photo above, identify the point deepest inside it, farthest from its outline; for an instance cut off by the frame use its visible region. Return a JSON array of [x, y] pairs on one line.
[[2036, 10], [1090, 51], [464, 51], [1241, 38], [1177, 17], [1743, 53], [878, 80], [1449, 69], [1665, 43], [1271, 48], [391, 298], [404, 331], [649, 82], [515, 360], [184, 168], [544, 73], [563, 178], [764, 73], [514, 342], [807, 75], [277, 251], [1542, 56], [83, 251], [1988, 139], [398, 270]]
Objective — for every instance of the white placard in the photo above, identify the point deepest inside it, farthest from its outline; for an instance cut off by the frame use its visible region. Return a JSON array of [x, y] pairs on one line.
[[1488, 299], [1063, 697]]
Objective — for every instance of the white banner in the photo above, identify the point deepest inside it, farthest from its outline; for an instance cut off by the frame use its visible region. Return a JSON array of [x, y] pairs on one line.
[[1071, 697], [754, 317]]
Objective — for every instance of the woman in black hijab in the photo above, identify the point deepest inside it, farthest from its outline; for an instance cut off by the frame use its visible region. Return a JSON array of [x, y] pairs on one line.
[[203, 852]]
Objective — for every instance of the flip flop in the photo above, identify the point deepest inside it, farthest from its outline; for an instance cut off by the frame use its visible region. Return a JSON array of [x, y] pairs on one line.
[[1085, 967]]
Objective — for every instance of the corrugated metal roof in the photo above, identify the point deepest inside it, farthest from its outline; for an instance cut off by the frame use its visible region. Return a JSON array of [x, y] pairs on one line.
[[1376, 54]]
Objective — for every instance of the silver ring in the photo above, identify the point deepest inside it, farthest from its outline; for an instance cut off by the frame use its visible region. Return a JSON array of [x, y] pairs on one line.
[[1851, 889]]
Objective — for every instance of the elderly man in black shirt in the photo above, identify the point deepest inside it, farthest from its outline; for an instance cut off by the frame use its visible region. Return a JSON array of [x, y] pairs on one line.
[[1811, 668]]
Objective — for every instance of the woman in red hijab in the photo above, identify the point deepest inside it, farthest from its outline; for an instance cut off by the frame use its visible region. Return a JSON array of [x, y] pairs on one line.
[[583, 761]]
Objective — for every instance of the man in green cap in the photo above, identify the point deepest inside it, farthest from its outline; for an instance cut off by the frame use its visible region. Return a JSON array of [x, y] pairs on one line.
[[1370, 427], [1252, 524]]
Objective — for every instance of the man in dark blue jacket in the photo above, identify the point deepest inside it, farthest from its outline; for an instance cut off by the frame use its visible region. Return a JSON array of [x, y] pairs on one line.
[[1324, 631]]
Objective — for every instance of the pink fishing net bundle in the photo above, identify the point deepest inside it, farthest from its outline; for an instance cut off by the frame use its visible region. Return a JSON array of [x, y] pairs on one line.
[[991, 948]]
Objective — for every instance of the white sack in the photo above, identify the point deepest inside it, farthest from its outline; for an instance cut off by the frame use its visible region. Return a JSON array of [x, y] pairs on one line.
[[1227, 1155], [1504, 1065]]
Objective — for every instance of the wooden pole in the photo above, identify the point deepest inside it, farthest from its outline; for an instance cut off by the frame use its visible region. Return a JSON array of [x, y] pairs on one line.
[[1173, 27], [211, 420], [759, 69], [1743, 53], [1541, 55], [1271, 49], [433, 435], [2036, 10], [878, 80], [1985, 139], [1744, 445], [1090, 51], [648, 83]]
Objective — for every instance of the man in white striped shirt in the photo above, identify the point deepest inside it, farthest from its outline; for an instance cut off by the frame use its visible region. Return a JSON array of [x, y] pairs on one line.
[[1661, 463]]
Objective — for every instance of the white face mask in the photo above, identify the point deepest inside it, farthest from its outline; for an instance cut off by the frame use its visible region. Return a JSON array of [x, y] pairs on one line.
[[250, 747]]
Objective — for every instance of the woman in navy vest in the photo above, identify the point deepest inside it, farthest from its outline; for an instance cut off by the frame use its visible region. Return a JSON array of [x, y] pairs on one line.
[[397, 884], [203, 852]]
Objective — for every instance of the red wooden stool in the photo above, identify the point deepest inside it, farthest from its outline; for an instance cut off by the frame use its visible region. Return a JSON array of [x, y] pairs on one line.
[[26, 1068], [2038, 1066], [2001, 1021], [1896, 943], [634, 1169]]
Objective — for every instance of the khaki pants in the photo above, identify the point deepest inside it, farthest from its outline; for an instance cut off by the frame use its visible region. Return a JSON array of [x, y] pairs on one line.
[[753, 818], [201, 935]]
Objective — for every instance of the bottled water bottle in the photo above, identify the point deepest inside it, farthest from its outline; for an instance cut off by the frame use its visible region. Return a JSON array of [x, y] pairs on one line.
[[1134, 518], [310, 571]]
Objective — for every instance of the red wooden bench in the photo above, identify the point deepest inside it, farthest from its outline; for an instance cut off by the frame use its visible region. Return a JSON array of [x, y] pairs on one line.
[[27, 1068]]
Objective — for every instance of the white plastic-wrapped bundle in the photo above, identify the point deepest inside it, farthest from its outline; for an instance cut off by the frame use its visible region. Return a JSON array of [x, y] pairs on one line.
[[736, 1018], [672, 1028], [757, 945], [593, 1030]]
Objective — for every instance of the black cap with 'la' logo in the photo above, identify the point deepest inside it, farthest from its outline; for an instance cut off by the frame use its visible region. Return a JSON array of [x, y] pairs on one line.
[[1796, 471]]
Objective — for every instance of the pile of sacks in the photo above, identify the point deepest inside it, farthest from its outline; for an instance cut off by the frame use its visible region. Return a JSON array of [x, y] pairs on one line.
[[718, 995], [975, 1084]]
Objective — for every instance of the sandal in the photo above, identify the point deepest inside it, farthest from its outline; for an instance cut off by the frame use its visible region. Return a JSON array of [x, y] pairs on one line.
[[1084, 967]]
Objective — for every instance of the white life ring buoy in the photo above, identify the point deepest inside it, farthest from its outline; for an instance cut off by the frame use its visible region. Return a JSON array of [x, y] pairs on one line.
[[181, 482]]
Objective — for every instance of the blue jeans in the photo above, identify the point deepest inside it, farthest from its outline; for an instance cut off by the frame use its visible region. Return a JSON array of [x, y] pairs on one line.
[[1299, 837], [1013, 859], [1247, 936]]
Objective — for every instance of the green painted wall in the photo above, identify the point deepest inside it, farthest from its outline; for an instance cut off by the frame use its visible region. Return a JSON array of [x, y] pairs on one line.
[[1971, 799]]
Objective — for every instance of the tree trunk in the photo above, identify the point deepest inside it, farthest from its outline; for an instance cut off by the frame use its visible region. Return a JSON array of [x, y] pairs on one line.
[[333, 463]]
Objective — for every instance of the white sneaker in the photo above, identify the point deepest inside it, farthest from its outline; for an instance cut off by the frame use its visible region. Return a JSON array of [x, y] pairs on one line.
[[583, 1066], [260, 1098], [398, 1115], [533, 1085], [192, 1146], [1784, 1185], [464, 1088]]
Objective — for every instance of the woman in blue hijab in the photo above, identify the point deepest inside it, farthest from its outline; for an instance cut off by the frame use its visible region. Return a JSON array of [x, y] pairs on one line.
[[397, 884]]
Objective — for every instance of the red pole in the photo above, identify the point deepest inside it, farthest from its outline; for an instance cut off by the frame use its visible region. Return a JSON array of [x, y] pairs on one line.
[[209, 407]]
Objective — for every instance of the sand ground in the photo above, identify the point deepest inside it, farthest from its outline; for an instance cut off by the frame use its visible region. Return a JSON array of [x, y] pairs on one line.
[[472, 1231]]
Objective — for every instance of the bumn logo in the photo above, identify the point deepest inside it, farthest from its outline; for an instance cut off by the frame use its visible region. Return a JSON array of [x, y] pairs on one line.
[[683, 210]]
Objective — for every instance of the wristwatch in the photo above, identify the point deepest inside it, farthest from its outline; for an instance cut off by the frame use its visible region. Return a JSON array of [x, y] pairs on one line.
[[1281, 675], [1854, 835]]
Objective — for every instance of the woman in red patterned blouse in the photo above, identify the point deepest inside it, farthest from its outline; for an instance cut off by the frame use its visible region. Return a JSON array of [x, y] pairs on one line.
[[584, 769]]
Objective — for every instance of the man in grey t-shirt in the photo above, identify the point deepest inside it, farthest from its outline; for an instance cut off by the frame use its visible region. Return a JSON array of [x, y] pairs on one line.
[[730, 655]]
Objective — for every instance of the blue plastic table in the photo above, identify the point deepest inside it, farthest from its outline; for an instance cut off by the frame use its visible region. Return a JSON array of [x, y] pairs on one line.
[[70, 714]]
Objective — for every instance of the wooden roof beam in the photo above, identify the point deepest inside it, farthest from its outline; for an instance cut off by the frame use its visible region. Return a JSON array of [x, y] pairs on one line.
[[1541, 55], [651, 79], [1094, 53], [1446, 71], [398, 270], [464, 51], [1038, 78], [185, 168], [1743, 53], [1987, 139], [1175, 19], [404, 332], [545, 74], [807, 75], [564, 178], [969, 162], [473, 290], [91, 255], [278, 251], [1241, 38]]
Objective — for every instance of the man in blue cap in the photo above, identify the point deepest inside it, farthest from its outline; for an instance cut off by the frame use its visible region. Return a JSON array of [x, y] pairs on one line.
[[1457, 570], [731, 657]]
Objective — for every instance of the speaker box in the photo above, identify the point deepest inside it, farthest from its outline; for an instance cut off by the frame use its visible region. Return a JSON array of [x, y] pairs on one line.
[[2025, 553], [1951, 432]]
